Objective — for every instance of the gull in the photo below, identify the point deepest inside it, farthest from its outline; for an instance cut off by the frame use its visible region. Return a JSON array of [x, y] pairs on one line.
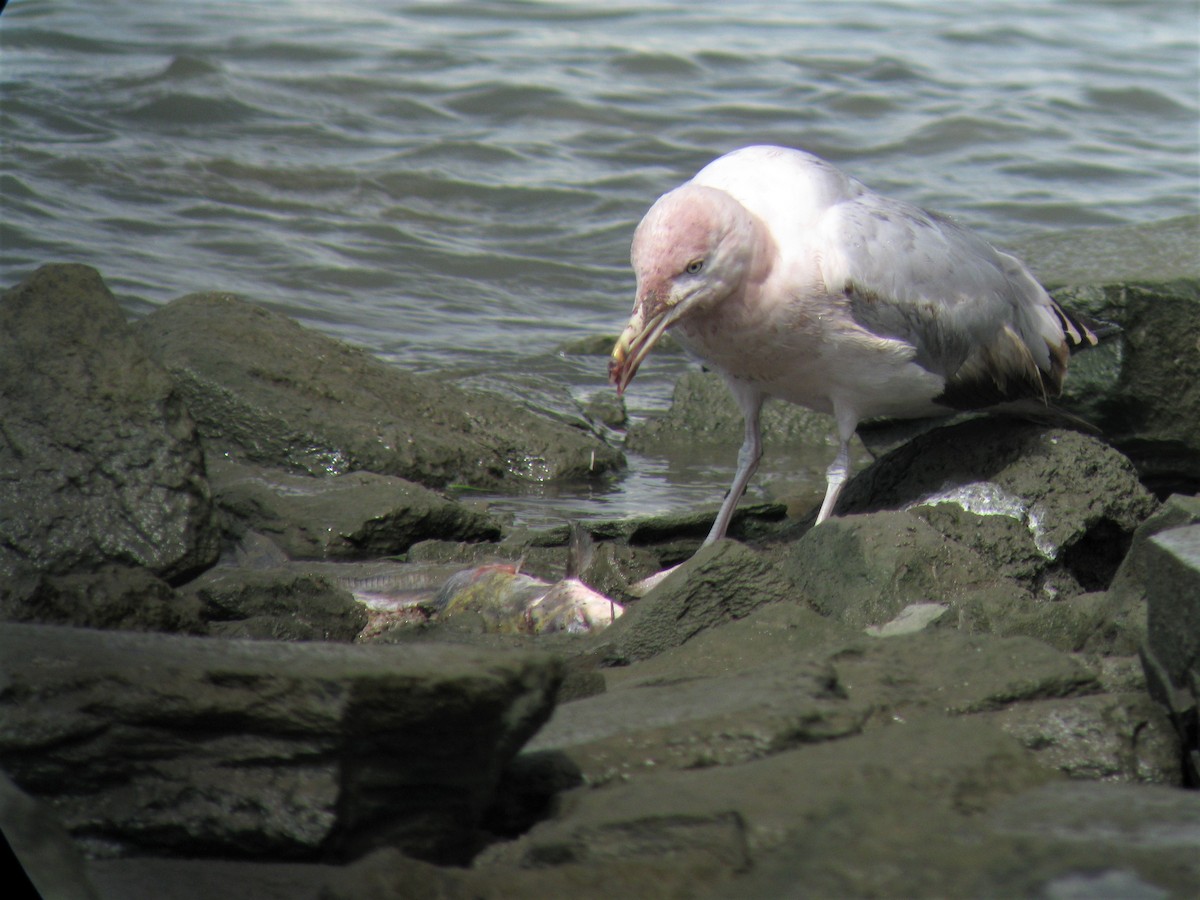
[[794, 280]]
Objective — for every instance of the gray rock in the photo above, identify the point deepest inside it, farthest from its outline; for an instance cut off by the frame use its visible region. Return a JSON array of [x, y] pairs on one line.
[[276, 604], [1103, 737], [1052, 507], [740, 813], [1141, 387], [723, 582], [1061, 841], [160, 744], [644, 726], [357, 515], [947, 672], [151, 878], [266, 390], [1171, 655], [1162, 251], [117, 597], [54, 866], [1123, 628], [99, 461], [864, 569]]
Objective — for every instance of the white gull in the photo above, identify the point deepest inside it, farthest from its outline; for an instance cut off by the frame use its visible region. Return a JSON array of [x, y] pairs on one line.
[[794, 280]]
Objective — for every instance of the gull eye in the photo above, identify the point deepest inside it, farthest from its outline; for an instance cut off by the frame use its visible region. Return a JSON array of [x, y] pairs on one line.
[[694, 267]]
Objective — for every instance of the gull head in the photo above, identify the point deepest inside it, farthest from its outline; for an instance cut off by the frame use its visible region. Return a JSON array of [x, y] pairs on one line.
[[693, 249]]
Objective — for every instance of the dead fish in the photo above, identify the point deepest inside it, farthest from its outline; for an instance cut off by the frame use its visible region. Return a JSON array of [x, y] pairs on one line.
[[503, 598], [510, 602]]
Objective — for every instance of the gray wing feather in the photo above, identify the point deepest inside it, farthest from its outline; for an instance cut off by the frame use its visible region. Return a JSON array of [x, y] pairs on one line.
[[972, 314]]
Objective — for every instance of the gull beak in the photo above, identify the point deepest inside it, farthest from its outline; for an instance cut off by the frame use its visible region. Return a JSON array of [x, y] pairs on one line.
[[635, 343]]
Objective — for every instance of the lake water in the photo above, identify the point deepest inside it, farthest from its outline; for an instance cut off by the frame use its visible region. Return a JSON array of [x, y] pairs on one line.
[[454, 184]]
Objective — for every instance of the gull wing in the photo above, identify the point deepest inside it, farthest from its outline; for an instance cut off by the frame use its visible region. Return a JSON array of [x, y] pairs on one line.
[[972, 314]]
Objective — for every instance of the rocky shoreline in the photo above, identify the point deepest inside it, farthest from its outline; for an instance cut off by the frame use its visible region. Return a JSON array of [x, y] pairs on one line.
[[979, 679]]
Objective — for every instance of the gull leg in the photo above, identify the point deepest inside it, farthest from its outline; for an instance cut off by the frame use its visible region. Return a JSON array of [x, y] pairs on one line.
[[839, 469], [748, 457], [835, 477]]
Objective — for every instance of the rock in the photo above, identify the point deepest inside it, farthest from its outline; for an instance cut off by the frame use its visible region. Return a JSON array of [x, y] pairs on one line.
[[739, 813], [117, 597], [265, 390], [723, 582], [1057, 840], [1146, 400], [99, 462], [151, 878], [357, 515], [276, 604], [160, 744], [1141, 387], [914, 617], [606, 407], [1171, 655], [647, 726], [1163, 251], [864, 569], [1053, 508], [52, 863], [678, 872], [947, 672], [1123, 625], [1103, 737]]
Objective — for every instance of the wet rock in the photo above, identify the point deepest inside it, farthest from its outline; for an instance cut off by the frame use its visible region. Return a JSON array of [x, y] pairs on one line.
[[606, 407], [1123, 627], [159, 744], [357, 515], [266, 390], [1141, 387], [740, 812], [1171, 655], [648, 725], [864, 569], [948, 672], [1104, 737], [723, 582], [684, 868], [99, 461], [53, 866], [1053, 508], [1147, 401], [116, 597], [1059, 840], [277, 604]]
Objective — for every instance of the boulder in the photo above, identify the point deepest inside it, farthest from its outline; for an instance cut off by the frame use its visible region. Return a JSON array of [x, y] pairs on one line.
[[264, 389], [117, 597], [168, 745], [1053, 508], [1103, 737], [1141, 387], [356, 515], [278, 604], [864, 570], [99, 461], [1171, 655], [1123, 622], [723, 582]]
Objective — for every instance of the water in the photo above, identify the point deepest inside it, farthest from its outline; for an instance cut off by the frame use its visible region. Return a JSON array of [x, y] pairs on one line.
[[454, 185]]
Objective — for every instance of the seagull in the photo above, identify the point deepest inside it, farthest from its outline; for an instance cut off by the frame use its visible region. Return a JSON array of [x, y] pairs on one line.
[[794, 280]]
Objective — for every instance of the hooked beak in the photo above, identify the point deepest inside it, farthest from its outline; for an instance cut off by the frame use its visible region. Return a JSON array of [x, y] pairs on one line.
[[636, 342]]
